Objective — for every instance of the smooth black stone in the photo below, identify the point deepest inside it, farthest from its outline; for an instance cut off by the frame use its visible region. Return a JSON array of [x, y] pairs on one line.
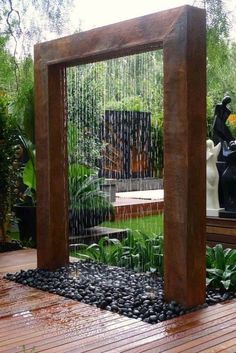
[[169, 312], [135, 295], [162, 317], [136, 312], [153, 318], [114, 308]]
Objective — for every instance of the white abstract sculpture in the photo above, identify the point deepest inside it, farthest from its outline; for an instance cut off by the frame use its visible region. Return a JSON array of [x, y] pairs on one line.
[[212, 179]]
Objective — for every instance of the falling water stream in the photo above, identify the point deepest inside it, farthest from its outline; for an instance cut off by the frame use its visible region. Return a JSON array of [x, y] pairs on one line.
[[115, 152]]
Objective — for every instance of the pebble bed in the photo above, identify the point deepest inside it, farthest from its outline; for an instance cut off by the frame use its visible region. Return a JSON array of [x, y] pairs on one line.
[[136, 295]]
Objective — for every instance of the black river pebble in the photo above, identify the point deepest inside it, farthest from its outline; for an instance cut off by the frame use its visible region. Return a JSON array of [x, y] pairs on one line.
[[136, 295]]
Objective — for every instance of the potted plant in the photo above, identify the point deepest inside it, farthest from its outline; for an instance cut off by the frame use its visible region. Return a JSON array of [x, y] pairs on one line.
[[25, 208]]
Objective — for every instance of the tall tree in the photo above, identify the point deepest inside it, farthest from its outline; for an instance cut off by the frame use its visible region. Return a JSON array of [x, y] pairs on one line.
[[219, 70], [7, 78], [25, 22]]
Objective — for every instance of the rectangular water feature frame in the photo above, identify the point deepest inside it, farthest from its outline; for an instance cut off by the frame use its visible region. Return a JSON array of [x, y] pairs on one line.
[[180, 32]]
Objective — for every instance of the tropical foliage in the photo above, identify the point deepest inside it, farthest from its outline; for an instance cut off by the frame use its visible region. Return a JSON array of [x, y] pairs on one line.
[[138, 251], [88, 204], [27, 177], [221, 267]]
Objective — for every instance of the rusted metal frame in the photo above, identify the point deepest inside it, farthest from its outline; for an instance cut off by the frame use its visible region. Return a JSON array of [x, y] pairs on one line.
[[184, 159], [52, 193], [124, 38], [181, 33], [145, 33]]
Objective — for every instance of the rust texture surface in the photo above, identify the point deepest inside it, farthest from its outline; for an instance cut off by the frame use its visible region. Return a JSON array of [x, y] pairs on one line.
[[181, 34], [184, 158]]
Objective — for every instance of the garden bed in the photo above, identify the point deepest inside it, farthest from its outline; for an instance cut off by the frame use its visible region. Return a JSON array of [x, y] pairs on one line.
[[136, 295]]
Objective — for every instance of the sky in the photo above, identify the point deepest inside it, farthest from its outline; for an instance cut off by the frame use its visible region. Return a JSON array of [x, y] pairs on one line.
[[95, 13]]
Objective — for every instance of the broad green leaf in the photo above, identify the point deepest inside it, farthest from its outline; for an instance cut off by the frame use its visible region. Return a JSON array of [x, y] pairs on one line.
[[209, 281], [93, 246], [153, 269], [215, 271], [226, 284], [219, 256], [233, 280], [231, 260], [227, 274], [227, 252], [29, 176]]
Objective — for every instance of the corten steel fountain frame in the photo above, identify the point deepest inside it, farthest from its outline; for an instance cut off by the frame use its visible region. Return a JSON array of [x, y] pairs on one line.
[[181, 34]]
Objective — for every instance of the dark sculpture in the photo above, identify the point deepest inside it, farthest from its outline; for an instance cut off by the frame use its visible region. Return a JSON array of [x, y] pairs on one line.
[[221, 132], [228, 180]]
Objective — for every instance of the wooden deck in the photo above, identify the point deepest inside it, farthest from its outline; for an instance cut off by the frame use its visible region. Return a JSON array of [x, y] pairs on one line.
[[43, 322], [221, 230]]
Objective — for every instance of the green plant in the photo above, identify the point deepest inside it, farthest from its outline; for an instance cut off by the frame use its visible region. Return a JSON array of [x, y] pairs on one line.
[[143, 252], [107, 250], [28, 196], [138, 251], [88, 204], [7, 76], [7, 134], [221, 267], [84, 187], [23, 98]]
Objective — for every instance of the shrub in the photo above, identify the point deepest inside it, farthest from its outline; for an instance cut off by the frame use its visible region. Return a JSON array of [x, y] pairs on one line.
[[221, 267]]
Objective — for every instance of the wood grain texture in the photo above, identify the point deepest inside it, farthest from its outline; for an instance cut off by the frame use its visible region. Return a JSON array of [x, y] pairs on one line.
[[221, 230], [184, 158], [181, 34], [50, 323]]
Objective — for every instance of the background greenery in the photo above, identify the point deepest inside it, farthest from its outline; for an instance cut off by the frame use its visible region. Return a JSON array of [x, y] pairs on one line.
[[16, 72], [146, 225], [17, 82]]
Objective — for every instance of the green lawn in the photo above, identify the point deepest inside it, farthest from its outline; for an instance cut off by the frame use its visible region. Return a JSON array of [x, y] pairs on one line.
[[147, 225], [15, 235]]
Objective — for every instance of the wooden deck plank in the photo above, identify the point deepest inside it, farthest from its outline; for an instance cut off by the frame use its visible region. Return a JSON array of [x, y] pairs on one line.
[[130, 328], [156, 338], [177, 338], [54, 339], [53, 324], [226, 347], [120, 340], [223, 336]]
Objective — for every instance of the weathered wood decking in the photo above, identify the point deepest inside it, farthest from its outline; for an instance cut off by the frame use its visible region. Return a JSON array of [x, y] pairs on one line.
[[49, 323]]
